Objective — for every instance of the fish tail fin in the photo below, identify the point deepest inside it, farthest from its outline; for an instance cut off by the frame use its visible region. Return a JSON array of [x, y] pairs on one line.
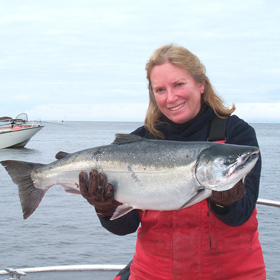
[[30, 196]]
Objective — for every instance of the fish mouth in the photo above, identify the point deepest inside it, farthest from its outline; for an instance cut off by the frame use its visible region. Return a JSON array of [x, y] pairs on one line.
[[178, 107], [248, 160], [247, 163]]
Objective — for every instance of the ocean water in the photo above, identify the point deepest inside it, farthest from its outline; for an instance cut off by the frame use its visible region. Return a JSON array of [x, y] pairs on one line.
[[64, 230]]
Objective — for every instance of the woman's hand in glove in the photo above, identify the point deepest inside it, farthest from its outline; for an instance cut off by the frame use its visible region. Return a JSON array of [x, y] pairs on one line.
[[93, 189], [226, 198]]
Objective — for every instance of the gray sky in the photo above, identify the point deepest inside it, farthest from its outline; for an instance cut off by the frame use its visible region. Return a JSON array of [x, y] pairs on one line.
[[85, 60]]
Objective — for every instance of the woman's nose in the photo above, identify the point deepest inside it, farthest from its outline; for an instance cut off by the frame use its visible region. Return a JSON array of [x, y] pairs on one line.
[[171, 96]]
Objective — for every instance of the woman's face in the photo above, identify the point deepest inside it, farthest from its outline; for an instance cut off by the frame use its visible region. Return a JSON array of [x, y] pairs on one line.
[[177, 94]]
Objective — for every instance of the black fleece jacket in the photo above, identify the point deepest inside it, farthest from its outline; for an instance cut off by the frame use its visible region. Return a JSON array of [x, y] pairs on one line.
[[237, 132]]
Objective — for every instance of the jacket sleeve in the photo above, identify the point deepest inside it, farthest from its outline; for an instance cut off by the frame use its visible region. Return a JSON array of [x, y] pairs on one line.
[[241, 133], [124, 225]]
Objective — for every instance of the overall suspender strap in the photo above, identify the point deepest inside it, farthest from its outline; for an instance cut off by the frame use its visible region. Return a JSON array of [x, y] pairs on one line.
[[217, 132]]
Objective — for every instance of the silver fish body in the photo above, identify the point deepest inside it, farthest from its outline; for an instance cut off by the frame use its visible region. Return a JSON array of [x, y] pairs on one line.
[[146, 174]]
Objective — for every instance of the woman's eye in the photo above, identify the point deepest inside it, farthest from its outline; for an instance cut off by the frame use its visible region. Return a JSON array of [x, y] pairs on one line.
[[159, 90], [179, 84]]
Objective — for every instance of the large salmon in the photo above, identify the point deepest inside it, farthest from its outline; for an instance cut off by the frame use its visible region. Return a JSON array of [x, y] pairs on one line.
[[146, 174]]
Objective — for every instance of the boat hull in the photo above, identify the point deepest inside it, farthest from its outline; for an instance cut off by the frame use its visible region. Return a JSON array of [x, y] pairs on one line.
[[18, 138]]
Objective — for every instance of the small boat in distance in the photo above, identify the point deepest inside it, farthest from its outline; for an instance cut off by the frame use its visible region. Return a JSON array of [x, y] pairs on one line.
[[15, 133]]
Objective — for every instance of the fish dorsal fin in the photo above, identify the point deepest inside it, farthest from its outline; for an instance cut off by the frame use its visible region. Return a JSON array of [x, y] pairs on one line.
[[61, 155], [127, 138]]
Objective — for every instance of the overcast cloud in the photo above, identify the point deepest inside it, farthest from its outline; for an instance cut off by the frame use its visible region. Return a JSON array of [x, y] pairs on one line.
[[85, 60]]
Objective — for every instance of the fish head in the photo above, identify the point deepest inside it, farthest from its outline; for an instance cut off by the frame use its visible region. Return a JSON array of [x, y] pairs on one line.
[[221, 166]]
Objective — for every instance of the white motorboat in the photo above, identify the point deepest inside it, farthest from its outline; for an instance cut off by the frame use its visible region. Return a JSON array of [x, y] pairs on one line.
[[15, 133]]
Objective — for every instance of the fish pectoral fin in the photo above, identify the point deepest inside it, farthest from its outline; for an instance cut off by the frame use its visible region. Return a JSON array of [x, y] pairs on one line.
[[199, 196], [127, 138], [121, 210], [71, 190]]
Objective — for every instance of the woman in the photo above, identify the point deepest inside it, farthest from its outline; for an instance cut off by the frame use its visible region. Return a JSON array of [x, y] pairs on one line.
[[214, 239]]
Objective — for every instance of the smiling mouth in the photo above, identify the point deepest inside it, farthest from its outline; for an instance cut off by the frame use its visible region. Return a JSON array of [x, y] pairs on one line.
[[178, 107]]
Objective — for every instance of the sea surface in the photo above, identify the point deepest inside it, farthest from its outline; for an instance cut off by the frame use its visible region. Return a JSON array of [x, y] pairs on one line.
[[64, 230]]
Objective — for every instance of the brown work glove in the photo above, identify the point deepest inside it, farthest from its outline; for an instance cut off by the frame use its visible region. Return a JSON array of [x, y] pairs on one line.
[[97, 194], [226, 198]]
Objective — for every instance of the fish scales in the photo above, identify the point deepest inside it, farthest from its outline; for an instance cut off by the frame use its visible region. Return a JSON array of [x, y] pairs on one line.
[[136, 165]]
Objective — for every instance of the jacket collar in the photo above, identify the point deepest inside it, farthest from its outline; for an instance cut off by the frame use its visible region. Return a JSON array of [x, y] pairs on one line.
[[174, 131]]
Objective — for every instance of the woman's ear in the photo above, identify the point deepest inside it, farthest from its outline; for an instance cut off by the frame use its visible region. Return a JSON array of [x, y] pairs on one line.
[[202, 87]]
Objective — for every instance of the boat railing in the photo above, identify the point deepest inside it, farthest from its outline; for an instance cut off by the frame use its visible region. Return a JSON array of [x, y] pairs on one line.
[[31, 124], [14, 274], [7, 124], [268, 202], [60, 268]]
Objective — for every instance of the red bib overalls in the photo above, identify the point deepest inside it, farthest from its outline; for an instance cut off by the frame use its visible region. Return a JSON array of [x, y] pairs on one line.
[[194, 244]]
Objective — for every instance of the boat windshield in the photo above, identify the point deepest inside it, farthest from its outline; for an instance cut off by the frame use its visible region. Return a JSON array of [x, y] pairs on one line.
[[22, 116]]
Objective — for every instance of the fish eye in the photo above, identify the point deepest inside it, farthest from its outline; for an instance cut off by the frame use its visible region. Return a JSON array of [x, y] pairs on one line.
[[229, 161]]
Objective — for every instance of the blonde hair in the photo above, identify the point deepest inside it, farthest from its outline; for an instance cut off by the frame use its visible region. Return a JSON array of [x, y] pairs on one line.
[[181, 57]]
